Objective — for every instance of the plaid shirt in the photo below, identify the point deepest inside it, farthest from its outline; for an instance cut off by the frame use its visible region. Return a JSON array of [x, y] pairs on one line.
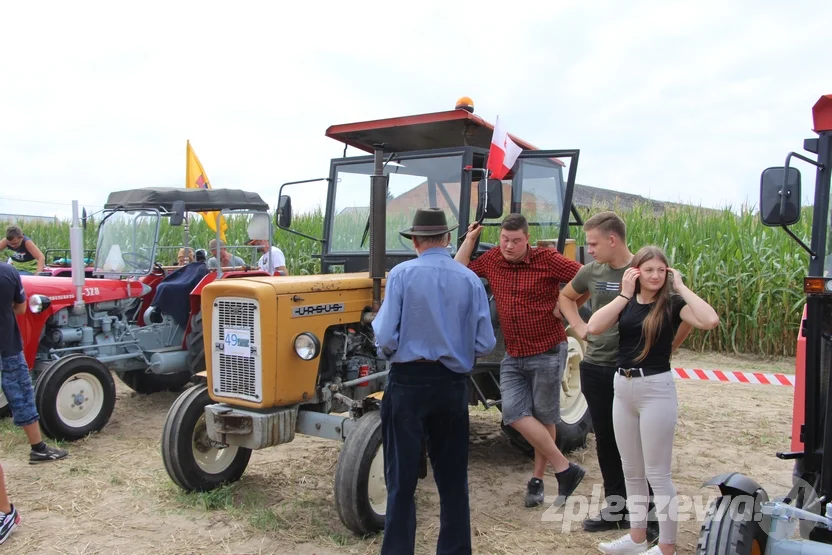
[[526, 293]]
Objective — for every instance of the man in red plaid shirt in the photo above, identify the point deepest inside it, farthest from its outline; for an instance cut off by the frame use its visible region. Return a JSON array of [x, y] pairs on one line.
[[526, 282]]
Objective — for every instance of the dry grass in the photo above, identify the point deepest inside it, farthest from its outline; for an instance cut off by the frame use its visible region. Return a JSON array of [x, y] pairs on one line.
[[112, 495]]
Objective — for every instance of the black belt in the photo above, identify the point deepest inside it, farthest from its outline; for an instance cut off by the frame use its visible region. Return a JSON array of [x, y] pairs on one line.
[[640, 372]]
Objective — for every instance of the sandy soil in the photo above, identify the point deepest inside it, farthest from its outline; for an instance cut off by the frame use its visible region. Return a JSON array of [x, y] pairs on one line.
[[112, 495]]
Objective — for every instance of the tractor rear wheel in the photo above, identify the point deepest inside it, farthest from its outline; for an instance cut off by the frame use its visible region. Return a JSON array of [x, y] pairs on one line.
[[74, 396], [195, 345], [360, 485], [142, 382], [4, 405], [730, 528], [192, 461]]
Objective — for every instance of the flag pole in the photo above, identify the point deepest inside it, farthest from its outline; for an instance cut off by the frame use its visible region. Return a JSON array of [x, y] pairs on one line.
[[187, 238]]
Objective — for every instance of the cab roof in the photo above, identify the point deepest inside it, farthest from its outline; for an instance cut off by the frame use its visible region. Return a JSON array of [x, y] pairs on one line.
[[449, 129], [196, 200]]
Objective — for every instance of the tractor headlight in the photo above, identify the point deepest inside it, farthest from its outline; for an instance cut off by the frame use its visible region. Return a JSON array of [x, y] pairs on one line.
[[39, 303], [307, 346]]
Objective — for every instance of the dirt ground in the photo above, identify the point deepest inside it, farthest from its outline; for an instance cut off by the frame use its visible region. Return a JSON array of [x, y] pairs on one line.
[[112, 495]]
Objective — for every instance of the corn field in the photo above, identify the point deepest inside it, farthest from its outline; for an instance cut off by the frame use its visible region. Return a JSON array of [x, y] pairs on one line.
[[751, 274]]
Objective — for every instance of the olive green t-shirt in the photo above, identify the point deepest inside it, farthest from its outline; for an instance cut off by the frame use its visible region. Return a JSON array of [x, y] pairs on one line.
[[604, 284]]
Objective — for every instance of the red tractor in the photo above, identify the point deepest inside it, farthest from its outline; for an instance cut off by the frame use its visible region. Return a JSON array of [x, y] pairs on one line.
[[134, 318], [743, 520]]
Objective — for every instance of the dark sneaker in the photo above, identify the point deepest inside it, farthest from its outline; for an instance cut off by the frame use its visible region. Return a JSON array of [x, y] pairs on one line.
[[568, 481], [8, 523], [534, 493], [47, 455], [607, 520]]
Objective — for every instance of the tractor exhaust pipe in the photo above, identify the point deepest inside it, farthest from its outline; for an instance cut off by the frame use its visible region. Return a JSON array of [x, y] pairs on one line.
[[378, 220], [76, 251]]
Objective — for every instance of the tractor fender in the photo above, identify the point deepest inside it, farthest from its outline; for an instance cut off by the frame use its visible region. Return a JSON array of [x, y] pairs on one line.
[[31, 330], [732, 483]]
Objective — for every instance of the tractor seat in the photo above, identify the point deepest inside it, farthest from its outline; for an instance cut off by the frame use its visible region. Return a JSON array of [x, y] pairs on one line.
[[173, 293]]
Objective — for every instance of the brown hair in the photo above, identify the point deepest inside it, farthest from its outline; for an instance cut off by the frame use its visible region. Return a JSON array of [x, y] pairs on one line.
[[607, 222], [659, 314], [515, 221], [13, 232]]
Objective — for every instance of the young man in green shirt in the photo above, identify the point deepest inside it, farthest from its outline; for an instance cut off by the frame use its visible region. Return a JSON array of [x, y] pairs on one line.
[[601, 278]]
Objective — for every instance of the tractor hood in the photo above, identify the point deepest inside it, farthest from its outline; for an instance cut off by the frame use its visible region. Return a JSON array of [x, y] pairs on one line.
[[94, 290], [315, 284]]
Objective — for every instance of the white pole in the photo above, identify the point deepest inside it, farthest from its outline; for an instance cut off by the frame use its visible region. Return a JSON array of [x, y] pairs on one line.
[[76, 251]]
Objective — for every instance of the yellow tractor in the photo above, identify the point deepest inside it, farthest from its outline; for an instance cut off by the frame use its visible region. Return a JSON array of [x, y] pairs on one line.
[[296, 354]]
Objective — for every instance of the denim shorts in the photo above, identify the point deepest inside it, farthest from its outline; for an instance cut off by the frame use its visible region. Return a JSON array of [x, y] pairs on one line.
[[17, 387], [530, 386]]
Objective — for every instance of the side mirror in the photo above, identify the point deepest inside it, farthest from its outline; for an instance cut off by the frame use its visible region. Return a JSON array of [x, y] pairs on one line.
[[178, 213], [490, 201], [283, 217], [84, 218], [780, 197]]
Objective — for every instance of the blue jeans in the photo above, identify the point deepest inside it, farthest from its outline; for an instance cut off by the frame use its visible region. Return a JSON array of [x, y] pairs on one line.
[[424, 402], [17, 387]]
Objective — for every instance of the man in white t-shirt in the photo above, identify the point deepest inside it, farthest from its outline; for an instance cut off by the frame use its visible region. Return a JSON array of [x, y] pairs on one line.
[[278, 259]]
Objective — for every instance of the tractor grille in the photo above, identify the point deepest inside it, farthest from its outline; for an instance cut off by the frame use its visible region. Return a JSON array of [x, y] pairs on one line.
[[237, 366]]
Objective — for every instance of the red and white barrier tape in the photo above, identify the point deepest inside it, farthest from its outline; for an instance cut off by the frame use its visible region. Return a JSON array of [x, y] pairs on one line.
[[734, 376]]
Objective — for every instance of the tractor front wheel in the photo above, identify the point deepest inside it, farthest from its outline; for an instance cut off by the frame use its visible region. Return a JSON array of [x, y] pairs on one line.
[[192, 460], [74, 396], [360, 485], [732, 527]]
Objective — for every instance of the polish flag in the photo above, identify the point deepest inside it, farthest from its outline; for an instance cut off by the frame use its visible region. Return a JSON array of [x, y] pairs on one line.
[[503, 152]]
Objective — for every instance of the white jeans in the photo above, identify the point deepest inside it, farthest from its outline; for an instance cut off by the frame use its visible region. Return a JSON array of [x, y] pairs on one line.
[[644, 413]]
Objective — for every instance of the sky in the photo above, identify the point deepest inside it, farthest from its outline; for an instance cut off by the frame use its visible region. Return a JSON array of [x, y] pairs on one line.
[[679, 101]]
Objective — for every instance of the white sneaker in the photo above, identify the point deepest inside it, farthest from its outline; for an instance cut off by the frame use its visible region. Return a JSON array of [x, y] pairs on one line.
[[623, 546], [654, 551]]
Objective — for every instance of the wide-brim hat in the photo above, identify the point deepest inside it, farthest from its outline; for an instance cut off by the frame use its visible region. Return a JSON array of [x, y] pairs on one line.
[[428, 222]]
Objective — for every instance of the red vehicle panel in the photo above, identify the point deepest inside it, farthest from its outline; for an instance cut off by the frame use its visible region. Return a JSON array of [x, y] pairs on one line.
[[61, 293]]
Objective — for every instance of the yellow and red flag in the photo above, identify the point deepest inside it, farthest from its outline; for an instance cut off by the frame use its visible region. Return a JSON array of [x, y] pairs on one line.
[[196, 178]]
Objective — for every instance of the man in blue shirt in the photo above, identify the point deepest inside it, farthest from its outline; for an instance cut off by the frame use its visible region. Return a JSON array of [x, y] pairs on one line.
[[434, 322]]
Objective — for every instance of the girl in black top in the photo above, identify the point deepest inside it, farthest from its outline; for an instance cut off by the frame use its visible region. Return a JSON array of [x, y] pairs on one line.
[[653, 302]]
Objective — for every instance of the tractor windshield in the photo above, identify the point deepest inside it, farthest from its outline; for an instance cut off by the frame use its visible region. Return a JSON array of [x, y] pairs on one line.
[[414, 183], [127, 243]]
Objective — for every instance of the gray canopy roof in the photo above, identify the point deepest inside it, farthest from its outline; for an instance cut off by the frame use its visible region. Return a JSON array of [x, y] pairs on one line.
[[196, 200]]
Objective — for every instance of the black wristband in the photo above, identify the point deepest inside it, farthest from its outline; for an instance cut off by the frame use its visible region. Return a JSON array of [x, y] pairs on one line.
[[626, 297]]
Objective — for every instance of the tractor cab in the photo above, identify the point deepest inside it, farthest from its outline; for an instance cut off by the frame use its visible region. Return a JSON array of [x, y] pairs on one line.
[[433, 160], [130, 242], [439, 160]]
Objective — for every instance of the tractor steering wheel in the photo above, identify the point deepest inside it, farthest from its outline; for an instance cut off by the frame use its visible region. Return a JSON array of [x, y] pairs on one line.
[[133, 259]]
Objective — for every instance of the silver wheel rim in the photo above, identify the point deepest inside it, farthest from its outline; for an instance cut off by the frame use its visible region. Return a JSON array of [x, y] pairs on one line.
[[572, 401], [80, 400], [210, 459], [377, 485]]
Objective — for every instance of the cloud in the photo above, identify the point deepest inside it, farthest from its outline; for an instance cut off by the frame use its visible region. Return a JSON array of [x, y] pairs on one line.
[[677, 101]]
